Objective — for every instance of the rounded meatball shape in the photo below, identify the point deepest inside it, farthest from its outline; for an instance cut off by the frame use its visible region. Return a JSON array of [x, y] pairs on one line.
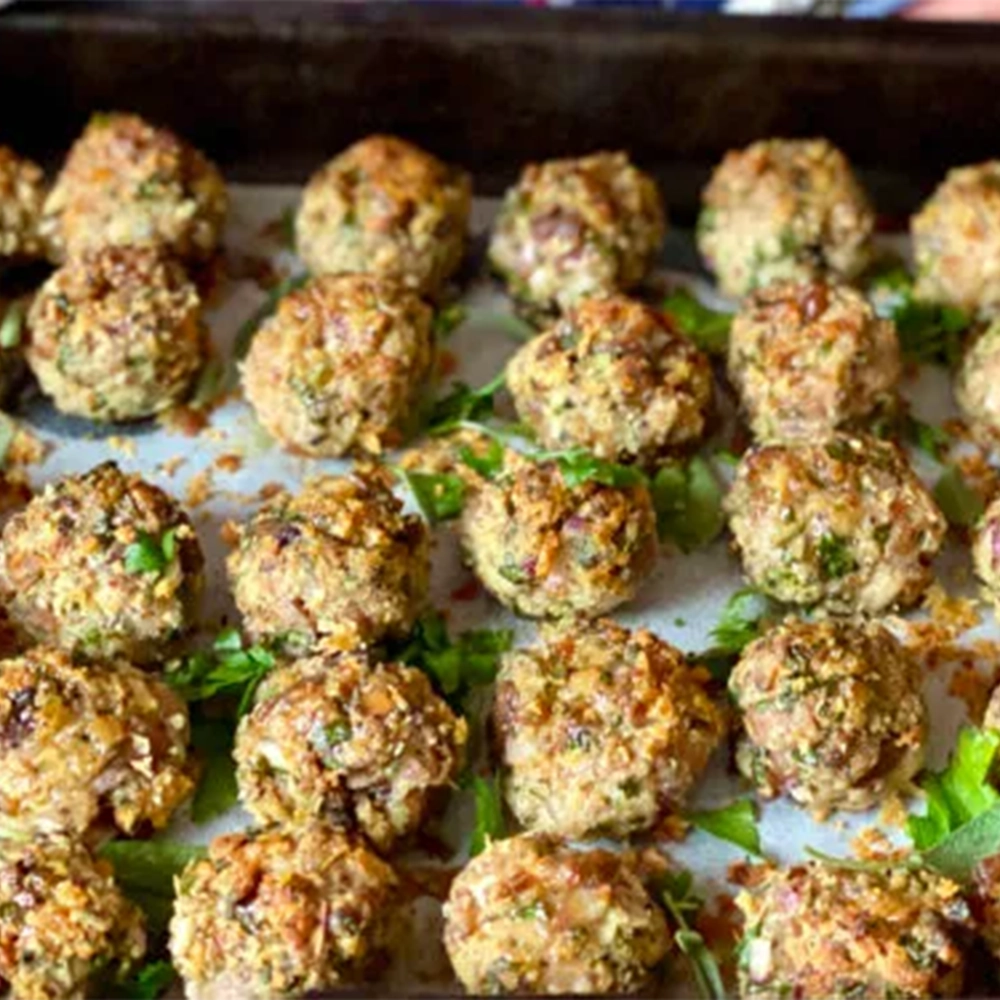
[[614, 377], [977, 384], [986, 555], [275, 913], [127, 182], [66, 929], [810, 358], [818, 931], [87, 745], [787, 209], [22, 192], [102, 564], [577, 227], [362, 746], [341, 366], [600, 731], [337, 566], [116, 334], [531, 915], [546, 548], [387, 208], [956, 241], [832, 714], [845, 524]]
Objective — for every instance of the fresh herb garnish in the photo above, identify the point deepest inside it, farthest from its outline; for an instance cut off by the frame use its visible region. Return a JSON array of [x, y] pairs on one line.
[[489, 824], [961, 505], [706, 327], [488, 465], [739, 625], [12, 325], [447, 320], [245, 334], [148, 982], [440, 496], [688, 502], [151, 554], [736, 823], [835, 557], [216, 792], [683, 906], [464, 404], [579, 466], [931, 440]]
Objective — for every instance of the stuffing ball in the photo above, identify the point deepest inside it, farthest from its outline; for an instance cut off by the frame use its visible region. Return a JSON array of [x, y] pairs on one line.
[[336, 566], [127, 182], [614, 377], [600, 730], [575, 228], [985, 894], [102, 565], [66, 930], [274, 913], [386, 208], [956, 241], [832, 714], [362, 746], [977, 385], [341, 366], [787, 209], [116, 334], [811, 358], [546, 548], [986, 555], [22, 192], [820, 931], [845, 524], [83, 746], [531, 915]]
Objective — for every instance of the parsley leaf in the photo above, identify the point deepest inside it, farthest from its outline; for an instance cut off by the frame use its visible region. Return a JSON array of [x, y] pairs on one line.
[[676, 890], [440, 496], [490, 465], [578, 466], [927, 332], [12, 325], [464, 404], [447, 320], [706, 327], [739, 625], [688, 502], [216, 792], [457, 665], [245, 334], [149, 554], [835, 557], [931, 440], [736, 823], [489, 824], [148, 982], [961, 505]]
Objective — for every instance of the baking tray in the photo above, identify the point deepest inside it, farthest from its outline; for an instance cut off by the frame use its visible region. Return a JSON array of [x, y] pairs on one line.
[[271, 91]]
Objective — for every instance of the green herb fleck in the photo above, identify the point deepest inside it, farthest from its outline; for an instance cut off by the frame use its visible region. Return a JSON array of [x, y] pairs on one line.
[[579, 466], [440, 496], [706, 327], [736, 823], [151, 554], [835, 557], [149, 982], [447, 321], [688, 502]]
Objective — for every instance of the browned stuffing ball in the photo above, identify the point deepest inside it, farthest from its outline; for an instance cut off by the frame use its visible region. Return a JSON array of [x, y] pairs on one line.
[[977, 384], [845, 524], [362, 746], [810, 358], [575, 228], [531, 915], [547, 549], [102, 564], [337, 566], [87, 746], [819, 931], [956, 241], [985, 894], [614, 377], [783, 209], [274, 913], [986, 555], [66, 930], [128, 182], [389, 209], [116, 334], [22, 192], [600, 731], [832, 714], [341, 366]]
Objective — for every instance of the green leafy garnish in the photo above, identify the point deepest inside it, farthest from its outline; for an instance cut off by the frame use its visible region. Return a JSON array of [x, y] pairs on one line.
[[579, 466], [12, 325], [677, 892], [216, 792], [464, 404], [736, 823], [489, 824], [440, 496], [932, 441], [739, 625], [151, 554], [149, 982], [458, 665], [927, 332], [706, 327], [835, 557], [489, 465], [228, 669], [688, 502], [961, 505], [447, 320], [245, 334], [145, 870]]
